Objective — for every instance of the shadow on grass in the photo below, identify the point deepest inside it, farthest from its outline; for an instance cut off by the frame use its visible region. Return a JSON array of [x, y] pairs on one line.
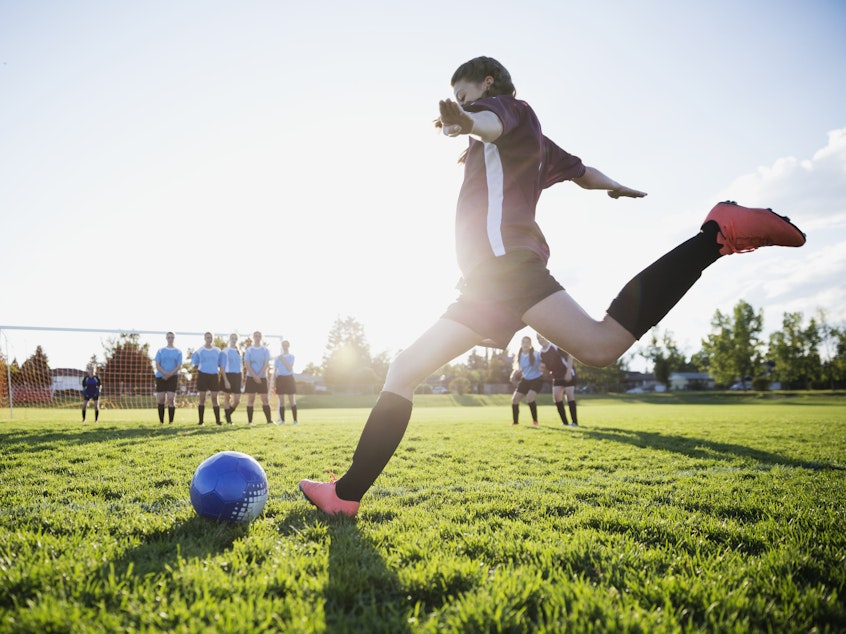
[[362, 593], [701, 448], [47, 439], [162, 551]]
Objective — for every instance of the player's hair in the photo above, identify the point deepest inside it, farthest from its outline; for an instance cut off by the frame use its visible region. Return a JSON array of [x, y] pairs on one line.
[[478, 68]]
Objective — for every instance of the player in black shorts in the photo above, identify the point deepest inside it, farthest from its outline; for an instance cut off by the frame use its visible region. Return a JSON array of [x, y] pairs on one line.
[[168, 363], [561, 366], [91, 392], [232, 374], [209, 361], [256, 363], [503, 256]]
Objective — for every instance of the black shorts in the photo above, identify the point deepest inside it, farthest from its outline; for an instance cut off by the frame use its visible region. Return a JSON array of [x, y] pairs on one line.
[[286, 384], [91, 397], [496, 295], [167, 385], [255, 387], [530, 385], [234, 383], [207, 382], [556, 382]]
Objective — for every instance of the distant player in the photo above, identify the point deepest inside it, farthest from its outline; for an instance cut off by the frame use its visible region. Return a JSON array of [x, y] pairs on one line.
[[232, 374], [561, 366], [91, 392], [285, 384], [528, 364], [209, 361], [256, 363], [168, 363]]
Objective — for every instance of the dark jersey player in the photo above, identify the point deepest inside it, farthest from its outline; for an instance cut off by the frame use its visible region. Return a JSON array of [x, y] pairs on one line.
[[503, 255], [91, 392], [561, 367]]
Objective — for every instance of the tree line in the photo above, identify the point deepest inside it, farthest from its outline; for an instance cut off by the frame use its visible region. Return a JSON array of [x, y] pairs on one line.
[[800, 355]]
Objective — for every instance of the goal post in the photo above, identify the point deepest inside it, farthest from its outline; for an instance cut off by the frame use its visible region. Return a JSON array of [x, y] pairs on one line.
[[44, 367]]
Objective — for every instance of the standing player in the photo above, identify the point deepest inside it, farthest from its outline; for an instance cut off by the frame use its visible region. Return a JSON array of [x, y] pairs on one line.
[[168, 363], [285, 384], [256, 362], [232, 373], [561, 366], [91, 392], [209, 361], [528, 364], [503, 255]]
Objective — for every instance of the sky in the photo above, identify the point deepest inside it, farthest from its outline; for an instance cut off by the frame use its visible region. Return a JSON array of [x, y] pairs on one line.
[[202, 165]]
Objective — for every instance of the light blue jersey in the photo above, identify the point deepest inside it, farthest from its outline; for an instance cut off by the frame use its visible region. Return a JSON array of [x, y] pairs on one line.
[[208, 360], [530, 367], [256, 357], [234, 365], [281, 369], [169, 358]]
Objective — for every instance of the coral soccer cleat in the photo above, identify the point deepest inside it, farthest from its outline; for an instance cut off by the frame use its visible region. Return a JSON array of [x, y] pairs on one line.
[[323, 496], [743, 229]]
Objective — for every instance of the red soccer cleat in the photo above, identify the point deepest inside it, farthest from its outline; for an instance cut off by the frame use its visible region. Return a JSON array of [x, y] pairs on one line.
[[323, 496], [745, 229]]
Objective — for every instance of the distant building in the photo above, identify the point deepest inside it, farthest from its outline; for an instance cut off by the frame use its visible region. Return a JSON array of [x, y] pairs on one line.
[[691, 381], [66, 379]]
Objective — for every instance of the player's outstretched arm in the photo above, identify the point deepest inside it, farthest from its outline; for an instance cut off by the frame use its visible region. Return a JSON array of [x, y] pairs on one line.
[[455, 121], [594, 179]]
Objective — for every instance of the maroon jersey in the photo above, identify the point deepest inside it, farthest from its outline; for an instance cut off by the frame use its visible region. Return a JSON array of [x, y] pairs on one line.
[[503, 181]]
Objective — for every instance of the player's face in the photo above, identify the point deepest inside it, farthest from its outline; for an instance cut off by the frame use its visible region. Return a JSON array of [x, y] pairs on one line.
[[542, 341], [170, 339], [208, 337], [256, 338], [525, 343], [233, 339], [466, 92]]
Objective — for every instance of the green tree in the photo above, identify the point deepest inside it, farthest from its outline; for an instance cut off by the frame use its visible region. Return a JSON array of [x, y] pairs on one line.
[[347, 354], [607, 379], [795, 352], [665, 356], [734, 346], [36, 369], [128, 368]]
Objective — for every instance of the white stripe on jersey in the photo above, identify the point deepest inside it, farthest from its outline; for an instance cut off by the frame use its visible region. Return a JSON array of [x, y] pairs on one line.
[[493, 172]]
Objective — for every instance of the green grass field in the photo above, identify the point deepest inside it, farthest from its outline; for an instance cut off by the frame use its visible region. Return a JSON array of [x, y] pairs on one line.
[[718, 513]]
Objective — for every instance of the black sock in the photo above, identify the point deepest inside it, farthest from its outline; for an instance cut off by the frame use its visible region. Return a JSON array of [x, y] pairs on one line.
[[515, 413], [381, 436], [171, 411], [249, 414], [650, 295], [533, 408], [572, 405], [216, 410], [202, 410], [282, 414], [161, 413], [560, 406], [228, 413], [266, 410], [293, 413], [83, 413], [96, 415]]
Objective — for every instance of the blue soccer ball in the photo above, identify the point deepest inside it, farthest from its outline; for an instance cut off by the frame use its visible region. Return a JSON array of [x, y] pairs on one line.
[[229, 486]]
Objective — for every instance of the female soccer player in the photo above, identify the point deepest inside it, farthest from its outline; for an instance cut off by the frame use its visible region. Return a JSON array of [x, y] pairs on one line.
[[561, 366], [91, 392], [285, 383], [168, 363], [528, 364], [503, 254], [232, 374]]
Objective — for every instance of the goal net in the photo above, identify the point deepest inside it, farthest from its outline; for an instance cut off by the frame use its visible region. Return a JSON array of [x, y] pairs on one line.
[[45, 367]]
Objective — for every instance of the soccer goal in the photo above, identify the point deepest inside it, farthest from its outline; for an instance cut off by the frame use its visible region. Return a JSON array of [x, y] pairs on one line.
[[45, 367]]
